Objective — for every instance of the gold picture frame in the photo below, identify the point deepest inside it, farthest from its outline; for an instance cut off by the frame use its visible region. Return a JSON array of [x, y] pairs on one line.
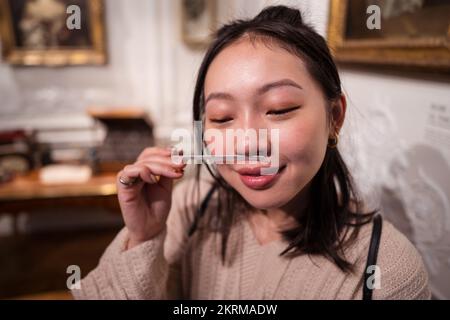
[[420, 53], [22, 45], [198, 22]]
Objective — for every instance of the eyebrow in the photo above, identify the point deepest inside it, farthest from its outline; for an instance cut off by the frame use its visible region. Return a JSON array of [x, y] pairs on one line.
[[277, 84], [265, 88]]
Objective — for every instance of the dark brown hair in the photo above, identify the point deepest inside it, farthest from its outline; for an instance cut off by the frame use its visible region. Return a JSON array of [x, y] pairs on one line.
[[333, 208]]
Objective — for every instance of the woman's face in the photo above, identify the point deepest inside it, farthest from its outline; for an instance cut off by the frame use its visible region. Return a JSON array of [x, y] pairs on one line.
[[252, 86]]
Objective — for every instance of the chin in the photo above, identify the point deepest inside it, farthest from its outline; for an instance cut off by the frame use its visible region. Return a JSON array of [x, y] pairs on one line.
[[264, 199], [265, 205]]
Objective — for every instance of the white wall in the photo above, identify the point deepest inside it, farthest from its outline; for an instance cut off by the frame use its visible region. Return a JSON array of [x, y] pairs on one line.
[[395, 139], [400, 153]]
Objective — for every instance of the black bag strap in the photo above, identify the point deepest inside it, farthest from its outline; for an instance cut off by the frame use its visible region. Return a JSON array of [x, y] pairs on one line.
[[372, 255], [201, 210]]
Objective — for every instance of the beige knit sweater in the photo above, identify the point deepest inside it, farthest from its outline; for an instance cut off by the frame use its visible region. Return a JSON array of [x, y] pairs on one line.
[[175, 266]]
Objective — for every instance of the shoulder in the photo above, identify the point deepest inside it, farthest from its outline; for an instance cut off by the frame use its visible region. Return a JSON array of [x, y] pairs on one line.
[[401, 269], [403, 274]]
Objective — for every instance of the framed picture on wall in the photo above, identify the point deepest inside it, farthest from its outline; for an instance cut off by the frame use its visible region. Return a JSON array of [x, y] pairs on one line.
[[52, 32], [198, 22], [413, 34]]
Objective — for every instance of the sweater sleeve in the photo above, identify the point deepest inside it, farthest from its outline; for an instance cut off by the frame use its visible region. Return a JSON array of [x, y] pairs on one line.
[[151, 270], [124, 274]]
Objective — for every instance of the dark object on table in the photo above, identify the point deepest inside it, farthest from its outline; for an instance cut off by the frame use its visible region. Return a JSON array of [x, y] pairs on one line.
[[128, 132], [16, 153]]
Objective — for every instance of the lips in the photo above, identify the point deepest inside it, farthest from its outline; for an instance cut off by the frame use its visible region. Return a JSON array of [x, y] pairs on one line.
[[253, 178]]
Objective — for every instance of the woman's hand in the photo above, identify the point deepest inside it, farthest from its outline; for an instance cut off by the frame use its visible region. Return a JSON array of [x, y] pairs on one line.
[[146, 203]]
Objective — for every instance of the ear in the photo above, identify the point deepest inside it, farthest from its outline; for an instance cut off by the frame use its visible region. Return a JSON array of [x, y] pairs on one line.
[[338, 109]]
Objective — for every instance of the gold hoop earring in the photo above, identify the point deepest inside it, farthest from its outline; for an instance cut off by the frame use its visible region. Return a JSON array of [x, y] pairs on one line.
[[333, 141]]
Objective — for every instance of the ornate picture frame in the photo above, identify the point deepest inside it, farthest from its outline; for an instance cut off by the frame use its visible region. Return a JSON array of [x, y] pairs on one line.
[[400, 42], [198, 22], [35, 33]]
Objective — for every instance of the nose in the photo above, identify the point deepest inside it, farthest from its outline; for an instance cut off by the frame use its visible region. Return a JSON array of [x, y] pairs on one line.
[[252, 137]]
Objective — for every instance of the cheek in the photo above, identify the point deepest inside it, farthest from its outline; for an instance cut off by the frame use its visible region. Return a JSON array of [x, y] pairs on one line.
[[304, 141]]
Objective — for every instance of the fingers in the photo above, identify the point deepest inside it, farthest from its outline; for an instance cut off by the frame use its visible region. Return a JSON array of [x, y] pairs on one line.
[[163, 161], [154, 165], [149, 172], [167, 153], [165, 180]]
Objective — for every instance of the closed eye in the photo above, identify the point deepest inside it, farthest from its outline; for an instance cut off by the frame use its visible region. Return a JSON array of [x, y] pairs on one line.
[[283, 111], [223, 120]]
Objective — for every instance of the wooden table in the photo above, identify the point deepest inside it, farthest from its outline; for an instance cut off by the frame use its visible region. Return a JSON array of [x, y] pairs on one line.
[[54, 295], [27, 193]]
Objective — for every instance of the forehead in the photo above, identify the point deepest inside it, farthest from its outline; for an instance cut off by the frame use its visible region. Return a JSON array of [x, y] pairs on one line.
[[251, 63]]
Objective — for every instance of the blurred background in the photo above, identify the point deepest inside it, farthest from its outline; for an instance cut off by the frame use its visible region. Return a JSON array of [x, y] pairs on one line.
[[86, 85]]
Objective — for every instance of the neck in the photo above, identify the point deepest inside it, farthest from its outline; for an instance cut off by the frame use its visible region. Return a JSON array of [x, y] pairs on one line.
[[267, 224]]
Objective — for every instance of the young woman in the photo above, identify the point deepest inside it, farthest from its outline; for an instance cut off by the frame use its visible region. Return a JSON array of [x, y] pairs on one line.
[[234, 233]]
